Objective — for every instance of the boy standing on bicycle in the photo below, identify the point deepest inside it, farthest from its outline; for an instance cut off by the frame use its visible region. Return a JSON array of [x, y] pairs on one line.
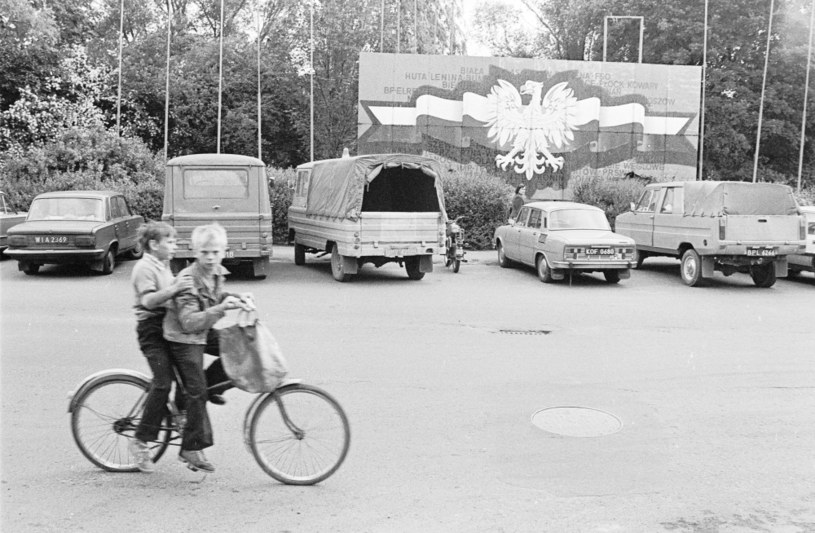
[[186, 327], [154, 286]]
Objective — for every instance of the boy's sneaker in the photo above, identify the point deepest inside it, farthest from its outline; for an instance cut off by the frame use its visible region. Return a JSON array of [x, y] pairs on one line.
[[195, 460], [141, 451]]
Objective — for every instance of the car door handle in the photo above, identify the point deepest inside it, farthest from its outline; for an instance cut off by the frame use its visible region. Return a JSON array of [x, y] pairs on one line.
[[216, 207]]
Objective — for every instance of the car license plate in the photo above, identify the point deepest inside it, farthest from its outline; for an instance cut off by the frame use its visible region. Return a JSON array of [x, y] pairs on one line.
[[229, 254], [50, 239], [600, 252], [759, 251]]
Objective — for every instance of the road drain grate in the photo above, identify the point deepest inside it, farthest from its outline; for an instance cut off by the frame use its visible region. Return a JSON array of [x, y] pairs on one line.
[[525, 331]]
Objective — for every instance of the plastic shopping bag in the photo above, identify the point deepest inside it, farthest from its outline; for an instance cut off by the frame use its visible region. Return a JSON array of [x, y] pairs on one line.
[[251, 356]]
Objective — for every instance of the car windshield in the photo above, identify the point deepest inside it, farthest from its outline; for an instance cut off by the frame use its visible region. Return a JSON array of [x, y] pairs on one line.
[[578, 219], [67, 209]]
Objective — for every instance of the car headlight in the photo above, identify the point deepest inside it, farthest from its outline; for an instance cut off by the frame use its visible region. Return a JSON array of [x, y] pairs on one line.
[[84, 240]]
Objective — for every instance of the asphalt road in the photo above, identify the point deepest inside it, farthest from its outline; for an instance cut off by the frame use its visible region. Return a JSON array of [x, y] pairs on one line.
[[444, 381]]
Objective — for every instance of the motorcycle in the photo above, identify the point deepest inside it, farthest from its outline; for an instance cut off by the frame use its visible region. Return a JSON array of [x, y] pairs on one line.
[[455, 244]]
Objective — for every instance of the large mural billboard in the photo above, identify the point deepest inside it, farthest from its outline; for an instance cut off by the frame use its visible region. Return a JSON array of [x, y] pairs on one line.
[[533, 121]]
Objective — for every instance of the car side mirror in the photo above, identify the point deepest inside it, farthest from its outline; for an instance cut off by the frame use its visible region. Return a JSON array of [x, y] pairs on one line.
[[511, 221]]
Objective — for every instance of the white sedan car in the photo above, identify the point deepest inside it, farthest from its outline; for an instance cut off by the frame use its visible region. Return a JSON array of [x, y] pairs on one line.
[[564, 237]]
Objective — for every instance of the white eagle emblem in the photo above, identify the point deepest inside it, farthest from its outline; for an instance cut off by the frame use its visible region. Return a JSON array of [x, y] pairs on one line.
[[534, 130]]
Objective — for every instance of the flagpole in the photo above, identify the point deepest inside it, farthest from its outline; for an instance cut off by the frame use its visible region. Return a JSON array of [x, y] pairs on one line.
[[220, 76], [763, 88], [121, 35], [311, 69], [260, 147], [382, 28], [806, 93], [702, 112], [167, 81]]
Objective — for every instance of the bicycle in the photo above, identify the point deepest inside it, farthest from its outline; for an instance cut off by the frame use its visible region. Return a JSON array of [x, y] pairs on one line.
[[298, 433]]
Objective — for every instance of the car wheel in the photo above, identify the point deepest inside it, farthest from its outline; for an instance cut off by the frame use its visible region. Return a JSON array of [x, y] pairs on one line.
[[336, 265], [137, 252], [612, 276], [640, 258], [109, 262], [412, 267], [691, 268], [503, 261], [763, 275], [544, 272], [30, 269], [299, 254]]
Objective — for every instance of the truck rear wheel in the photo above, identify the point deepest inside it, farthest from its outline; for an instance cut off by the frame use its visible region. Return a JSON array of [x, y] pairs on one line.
[[412, 267], [337, 265], [691, 268], [763, 275], [299, 254]]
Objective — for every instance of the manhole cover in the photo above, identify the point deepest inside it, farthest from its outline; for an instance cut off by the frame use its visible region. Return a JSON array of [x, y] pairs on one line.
[[577, 421]]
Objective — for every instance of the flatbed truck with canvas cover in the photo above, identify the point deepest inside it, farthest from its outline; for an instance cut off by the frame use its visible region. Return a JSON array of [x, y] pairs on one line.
[[727, 226], [369, 209]]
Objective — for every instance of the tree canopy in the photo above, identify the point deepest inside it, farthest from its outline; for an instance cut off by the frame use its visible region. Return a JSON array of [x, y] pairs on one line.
[[60, 67]]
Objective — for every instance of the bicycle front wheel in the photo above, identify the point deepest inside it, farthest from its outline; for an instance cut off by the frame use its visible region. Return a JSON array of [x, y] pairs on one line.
[[104, 422], [299, 435]]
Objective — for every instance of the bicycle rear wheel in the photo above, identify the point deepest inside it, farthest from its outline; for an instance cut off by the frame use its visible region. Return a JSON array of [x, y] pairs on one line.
[[299, 435], [104, 422]]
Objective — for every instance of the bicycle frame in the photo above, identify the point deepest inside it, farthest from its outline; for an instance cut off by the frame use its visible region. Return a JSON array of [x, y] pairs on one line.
[[250, 411]]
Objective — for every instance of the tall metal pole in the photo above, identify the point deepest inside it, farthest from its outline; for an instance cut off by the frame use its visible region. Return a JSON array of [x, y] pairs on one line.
[[702, 111], [220, 75], [398, 25], [382, 28], [260, 145], [763, 88], [415, 26], [806, 94], [121, 36], [311, 46], [167, 81]]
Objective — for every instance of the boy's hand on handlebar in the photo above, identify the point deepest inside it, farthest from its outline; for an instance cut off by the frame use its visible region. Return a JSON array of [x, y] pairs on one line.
[[247, 301]]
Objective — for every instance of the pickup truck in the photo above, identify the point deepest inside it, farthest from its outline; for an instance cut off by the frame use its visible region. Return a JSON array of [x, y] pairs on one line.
[[806, 259], [717, 225], [378, 209]]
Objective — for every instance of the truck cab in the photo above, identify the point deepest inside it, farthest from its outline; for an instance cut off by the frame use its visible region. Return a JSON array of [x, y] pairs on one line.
[[229, 189]]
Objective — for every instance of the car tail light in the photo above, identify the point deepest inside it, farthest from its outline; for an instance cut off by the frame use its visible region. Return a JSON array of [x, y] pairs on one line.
[[17, 240], [84, 240], [722, 226]]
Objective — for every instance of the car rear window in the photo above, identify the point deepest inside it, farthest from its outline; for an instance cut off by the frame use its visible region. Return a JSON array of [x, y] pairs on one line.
[[578, 219], [67, 209], [216, 183]]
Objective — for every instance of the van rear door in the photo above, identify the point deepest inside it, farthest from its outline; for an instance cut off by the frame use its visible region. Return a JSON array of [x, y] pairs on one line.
[[227, 195]]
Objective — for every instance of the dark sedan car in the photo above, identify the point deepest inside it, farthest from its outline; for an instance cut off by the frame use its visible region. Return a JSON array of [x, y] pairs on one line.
[[86, 227]]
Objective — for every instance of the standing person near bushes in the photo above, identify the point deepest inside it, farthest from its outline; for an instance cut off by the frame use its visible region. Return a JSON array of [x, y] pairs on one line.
[[154, 287], [187, 326]]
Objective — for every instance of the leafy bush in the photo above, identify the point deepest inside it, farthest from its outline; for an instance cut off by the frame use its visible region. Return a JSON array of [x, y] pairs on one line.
[[613, 196], [280, 196], [82, 159], [482, 198]]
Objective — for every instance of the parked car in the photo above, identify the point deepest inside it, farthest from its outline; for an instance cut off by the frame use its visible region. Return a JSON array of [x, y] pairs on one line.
[[8, 218], [564, 237], [86, 227], [806, 260]]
